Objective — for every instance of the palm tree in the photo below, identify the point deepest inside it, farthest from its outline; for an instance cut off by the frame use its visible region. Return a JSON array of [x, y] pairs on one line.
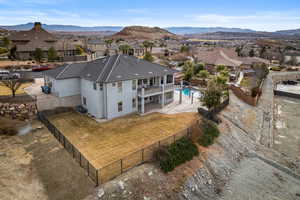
[[125, 48], [147, 45], [108, 43]]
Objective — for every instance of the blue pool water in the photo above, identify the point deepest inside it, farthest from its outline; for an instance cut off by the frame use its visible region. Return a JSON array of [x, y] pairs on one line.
[[188, 91]]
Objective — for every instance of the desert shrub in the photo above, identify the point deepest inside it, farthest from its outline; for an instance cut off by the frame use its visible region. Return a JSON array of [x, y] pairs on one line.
[[176, 154], [210, 132]]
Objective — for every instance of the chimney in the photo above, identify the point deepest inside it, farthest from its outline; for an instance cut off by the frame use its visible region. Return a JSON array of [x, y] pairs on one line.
[[37, 26]]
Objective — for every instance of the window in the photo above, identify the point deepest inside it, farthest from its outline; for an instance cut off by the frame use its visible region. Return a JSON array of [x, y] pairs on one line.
[[101, 86], [114, 84], [95, 86], [133, 84], [119, 86], [84, 100], [169, 79], [162, 80], [133, 103], [120, 106]]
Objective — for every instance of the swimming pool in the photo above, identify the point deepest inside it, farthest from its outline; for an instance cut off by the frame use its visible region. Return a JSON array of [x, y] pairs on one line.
[[188, 92]]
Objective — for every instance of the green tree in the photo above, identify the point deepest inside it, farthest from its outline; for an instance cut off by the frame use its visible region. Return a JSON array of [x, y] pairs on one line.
[[13, 52], [148, 56], [211, 98], [220, 68], [199, 67], [147, 45], [184, 49], [6, 42], [251, 53], [52, 54], [3, 50], [80, 50], [225, 73], [189, 70], [203, 74], [125, 48], [221, 81], [238, 50], [38, 54], [108, 43]]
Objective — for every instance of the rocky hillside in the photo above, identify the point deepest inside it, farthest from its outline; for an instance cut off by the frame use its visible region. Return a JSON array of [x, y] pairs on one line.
[[144, 33]]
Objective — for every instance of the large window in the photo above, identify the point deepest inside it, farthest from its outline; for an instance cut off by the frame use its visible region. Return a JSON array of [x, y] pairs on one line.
[[84, 101], [120, 86], [133, 84], [120, 106], [95, 86]]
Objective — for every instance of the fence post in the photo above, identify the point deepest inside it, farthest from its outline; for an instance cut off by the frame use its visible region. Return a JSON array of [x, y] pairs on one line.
[[88, 168], [97, 178], [174, 138], [80, 159], [142, 155], [121, 166]]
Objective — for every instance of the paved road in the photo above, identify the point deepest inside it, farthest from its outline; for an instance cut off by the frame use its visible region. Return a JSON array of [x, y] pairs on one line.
[[30, 74]]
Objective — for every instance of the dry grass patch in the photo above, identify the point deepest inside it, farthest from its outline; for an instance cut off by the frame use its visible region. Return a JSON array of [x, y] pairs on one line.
[[5, 91], [104, 143]]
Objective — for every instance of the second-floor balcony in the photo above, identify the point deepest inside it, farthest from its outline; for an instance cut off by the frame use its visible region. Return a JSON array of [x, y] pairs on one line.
[[154, 90]]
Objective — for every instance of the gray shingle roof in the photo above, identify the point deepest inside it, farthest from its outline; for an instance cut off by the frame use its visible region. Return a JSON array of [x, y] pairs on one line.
[[111, 69]]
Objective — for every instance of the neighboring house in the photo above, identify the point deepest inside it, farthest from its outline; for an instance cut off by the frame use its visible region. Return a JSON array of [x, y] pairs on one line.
[[26, 42], [292, 58], [114, 86]]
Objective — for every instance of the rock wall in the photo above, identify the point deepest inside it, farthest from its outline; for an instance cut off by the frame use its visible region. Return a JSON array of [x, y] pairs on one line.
[[21, 112]]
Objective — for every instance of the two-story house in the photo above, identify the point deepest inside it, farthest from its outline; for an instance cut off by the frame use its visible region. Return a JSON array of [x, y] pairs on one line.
[[114, 86]]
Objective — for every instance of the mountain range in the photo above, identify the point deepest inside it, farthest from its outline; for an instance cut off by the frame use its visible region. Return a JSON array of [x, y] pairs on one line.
[[175, 30]]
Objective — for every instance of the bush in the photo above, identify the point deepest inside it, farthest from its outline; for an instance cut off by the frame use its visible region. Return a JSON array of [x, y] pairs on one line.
[[176, 154], [3, 50], [210, 132]]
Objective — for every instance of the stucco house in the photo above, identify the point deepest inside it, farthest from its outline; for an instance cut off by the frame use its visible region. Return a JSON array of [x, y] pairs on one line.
[[114, 86]]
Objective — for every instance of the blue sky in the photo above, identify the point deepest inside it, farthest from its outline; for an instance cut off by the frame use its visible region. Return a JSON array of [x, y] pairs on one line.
[[264, 15]]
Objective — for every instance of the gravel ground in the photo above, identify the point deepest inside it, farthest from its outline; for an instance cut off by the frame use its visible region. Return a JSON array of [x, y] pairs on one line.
[[287, 134], [36, 167]]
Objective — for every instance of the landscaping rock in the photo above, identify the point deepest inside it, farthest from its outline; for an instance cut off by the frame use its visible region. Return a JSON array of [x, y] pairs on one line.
[[121, 185], [100, 193]]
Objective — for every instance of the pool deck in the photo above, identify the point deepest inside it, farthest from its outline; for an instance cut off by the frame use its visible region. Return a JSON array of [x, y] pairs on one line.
[[185, 106]]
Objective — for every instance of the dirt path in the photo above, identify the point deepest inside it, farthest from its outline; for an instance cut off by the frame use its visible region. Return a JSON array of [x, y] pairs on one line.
[[36, 167]]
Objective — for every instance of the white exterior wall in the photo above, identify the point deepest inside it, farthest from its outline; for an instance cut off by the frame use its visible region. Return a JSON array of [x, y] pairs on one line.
[[94, 98], [65, 87], [126, 96]]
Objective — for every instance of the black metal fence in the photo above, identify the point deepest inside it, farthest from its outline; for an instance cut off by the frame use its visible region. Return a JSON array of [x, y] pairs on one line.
[[75, 153]]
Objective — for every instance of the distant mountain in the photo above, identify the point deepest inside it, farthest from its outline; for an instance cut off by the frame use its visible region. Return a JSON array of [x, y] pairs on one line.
[[64, 28], [144, 33], [289, 32], [199, 30], [175, 30]]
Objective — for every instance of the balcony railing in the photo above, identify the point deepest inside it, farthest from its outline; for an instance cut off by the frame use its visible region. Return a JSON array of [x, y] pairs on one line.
[[155, 89]]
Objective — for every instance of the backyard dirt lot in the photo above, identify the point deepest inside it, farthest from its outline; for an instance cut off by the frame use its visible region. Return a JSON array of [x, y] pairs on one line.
[[36, 167], [104, 143]]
